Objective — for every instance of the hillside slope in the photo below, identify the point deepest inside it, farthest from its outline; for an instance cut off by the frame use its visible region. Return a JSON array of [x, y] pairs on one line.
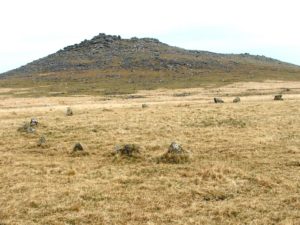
[[109, 62]]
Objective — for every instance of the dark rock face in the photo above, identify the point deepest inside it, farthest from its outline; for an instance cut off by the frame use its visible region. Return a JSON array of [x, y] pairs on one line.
[[145, 106], [278, 98], [236, 100], [218, 100]]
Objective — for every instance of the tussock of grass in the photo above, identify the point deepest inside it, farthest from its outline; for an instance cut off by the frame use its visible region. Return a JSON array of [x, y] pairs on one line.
[[173, 158], [27, 128], [79, 153]]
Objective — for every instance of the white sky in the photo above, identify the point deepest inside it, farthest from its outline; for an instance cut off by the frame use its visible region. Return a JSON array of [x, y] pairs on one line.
[[31, 29]]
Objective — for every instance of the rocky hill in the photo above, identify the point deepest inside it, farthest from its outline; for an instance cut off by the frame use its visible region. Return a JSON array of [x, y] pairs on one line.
[[113, 52], [147, 62]]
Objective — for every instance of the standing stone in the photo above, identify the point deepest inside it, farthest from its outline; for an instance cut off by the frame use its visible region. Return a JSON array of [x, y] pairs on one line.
[[33, 122], [236, 100], [278, 98], [42, 141], [30, 129], [144, 106], [78, 151], [69, 112], [128, 150], [77, 147], [218, 100], [175, 148], [175, 154]]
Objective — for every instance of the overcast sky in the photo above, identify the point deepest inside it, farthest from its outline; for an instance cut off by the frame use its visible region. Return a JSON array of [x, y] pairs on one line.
[[31, 29]]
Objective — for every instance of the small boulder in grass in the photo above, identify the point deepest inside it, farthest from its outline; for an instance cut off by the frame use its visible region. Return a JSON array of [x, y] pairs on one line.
[[128, 150], [218, 100], [145, 106], [278, 98], [175, 148], [175, 155], [77, 147], [42, 141], [34, 122], [236, 100], [69, 111], [78, 150]]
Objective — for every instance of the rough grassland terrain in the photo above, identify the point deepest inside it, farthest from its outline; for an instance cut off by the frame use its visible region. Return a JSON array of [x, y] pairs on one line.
[[244, 167]]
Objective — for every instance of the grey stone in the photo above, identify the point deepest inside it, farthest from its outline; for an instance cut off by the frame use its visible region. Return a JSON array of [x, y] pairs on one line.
[[69, 112], [278, 98], [127, 150], [236, 100], [41, 141], [218, 100], [33, 122], [175, 148], [77, 147]]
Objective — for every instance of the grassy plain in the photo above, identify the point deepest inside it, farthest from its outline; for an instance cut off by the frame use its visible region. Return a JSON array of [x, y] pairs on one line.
[[115, 81], [244, 168]]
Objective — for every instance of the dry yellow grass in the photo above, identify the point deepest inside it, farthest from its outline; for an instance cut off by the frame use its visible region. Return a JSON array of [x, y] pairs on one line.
[[244, 163]]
